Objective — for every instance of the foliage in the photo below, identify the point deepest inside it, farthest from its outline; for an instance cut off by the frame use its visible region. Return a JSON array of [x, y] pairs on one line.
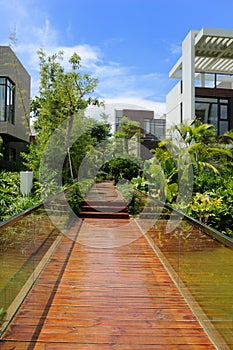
[[126, 190], [76, 199], [12, 201], [191, 148], [121, 168], [92, 134], [164, 174], [134, 200], [215, 206], [129, 133], [140, 183], [194, 160], [63, 97], [203, 208], [128, 128], [206, 152], [136, 205]]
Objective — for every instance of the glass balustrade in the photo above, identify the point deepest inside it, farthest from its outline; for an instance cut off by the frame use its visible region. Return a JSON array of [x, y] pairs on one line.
[[26, 243], [202, 267]]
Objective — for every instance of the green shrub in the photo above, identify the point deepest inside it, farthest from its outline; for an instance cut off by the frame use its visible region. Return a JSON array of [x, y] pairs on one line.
[[76, 199], [12, 201], [122, 168], [214, 209]]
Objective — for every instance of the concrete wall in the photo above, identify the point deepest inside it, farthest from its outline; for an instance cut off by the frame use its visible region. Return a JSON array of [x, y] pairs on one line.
[[138, 115], [173, 101], [12, 68]]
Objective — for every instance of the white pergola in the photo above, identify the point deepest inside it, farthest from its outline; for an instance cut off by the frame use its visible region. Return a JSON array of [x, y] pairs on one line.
[[213, 52], [205, 53]]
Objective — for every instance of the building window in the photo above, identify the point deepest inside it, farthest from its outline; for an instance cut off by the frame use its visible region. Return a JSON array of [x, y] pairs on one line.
[[213, 111], [7, 98], [147, 126], [154, 128], [12, 155]]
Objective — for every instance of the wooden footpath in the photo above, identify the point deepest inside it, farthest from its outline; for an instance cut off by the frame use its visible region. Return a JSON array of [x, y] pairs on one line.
[[100, 292]]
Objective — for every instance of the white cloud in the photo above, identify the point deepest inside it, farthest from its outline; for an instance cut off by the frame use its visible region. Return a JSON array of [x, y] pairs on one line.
[[175, 49], [34, 30], [90, 55]]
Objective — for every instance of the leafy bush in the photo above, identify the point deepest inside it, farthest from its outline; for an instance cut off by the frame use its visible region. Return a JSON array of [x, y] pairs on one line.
[[122, 168], [140, 183], [215, 207], [206, 209], [126, 190], [134, 200], [76, 199], [12, 201]]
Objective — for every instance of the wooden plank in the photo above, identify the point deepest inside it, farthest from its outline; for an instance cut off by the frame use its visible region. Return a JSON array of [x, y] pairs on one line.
[[75, 346], [105, 298]]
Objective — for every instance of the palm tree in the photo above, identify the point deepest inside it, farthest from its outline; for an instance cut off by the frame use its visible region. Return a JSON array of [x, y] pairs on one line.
[[190, 155], [205, 150]]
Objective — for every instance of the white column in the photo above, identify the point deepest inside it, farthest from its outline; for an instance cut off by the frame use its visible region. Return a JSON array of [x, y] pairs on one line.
[[26, 179], [188, 76], [202, 79]]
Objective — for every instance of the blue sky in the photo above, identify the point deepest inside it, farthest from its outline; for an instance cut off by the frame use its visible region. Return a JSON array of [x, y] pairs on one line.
[[129, 45]]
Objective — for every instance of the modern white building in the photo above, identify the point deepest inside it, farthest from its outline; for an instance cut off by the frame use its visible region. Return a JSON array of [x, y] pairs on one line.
[[205, 80]]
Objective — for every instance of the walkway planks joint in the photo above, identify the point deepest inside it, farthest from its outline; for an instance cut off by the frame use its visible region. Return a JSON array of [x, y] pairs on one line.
[[105, 290]]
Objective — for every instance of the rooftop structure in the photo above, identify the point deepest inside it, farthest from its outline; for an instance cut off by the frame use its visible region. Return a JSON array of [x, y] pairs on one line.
[[205, 73]]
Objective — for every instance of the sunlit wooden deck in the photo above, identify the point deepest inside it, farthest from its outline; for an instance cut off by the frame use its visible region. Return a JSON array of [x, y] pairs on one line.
[[100, 292]]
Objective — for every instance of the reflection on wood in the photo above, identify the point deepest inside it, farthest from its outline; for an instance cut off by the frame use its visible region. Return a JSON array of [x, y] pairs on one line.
[[92, 296]]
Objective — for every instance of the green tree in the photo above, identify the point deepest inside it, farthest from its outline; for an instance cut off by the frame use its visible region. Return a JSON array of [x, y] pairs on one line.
[[63, 97], [205, 150], [191, 147], [128, 129], [120, 168]]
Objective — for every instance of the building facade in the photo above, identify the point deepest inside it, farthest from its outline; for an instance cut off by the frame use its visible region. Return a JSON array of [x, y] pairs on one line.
[[205, 80], [153, 130], [14, 108]]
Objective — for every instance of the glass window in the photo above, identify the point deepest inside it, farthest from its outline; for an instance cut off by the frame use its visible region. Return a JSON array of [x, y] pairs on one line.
[[12, 154], [213, 115], [7, 93], [146, 126], [223, 112], [213, 111], [2, 103], [223, 126], [202, 111], [152, 127]]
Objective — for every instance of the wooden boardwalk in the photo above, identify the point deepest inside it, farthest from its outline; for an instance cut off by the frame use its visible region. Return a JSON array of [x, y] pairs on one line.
[[98, 292]]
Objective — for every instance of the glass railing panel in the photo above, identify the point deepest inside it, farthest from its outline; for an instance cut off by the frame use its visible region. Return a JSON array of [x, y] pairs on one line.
[[24, 246], [202, 267]]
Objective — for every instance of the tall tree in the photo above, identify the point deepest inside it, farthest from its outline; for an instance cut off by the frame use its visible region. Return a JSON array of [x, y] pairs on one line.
[[63, 95], [128, 129]]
